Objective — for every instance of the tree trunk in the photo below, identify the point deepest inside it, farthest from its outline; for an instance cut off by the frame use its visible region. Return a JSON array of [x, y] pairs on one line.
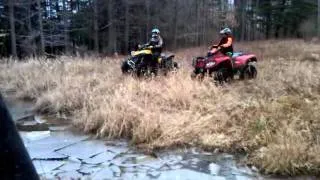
[[198, 22], [147, 4], [175, 23], [281, 21], [42, 45], [318, 18], [12, 28], [111, 32], [243, 20], [127, 26], [95, 26], [65, 22], [256, 30], [268, 21], [30, 31], [204, 23]]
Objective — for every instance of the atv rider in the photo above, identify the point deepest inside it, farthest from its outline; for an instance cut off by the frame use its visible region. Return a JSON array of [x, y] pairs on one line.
[[156, 44], [226, 43]]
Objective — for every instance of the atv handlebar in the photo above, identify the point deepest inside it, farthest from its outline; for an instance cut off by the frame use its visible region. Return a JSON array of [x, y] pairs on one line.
[[144, 46], [214, 46], [214, 49]]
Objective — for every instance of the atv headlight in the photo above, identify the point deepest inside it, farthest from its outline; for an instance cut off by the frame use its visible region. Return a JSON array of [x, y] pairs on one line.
[[210, 64]]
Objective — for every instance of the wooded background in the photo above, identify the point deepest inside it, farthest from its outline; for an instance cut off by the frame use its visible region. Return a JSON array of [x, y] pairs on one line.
[[38, 27]]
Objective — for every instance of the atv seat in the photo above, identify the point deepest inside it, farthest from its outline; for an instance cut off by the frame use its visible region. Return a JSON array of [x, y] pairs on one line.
[[236, 54]]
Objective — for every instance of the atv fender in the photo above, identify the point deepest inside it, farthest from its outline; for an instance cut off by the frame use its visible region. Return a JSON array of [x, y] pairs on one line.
[[224, 64], [247, 58], [226, 68], [170, 56]]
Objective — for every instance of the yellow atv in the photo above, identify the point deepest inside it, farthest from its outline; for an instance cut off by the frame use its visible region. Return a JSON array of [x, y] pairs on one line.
[[142, 63]]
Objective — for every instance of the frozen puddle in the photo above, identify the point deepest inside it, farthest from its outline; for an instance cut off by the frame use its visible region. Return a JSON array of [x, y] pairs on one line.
[[66, 155]]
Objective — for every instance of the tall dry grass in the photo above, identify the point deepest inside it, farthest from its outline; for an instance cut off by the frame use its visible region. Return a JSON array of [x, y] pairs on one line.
[[275, 118]]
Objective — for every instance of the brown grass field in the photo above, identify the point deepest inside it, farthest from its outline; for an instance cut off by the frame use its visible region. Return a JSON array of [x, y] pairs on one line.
[[275, 118]]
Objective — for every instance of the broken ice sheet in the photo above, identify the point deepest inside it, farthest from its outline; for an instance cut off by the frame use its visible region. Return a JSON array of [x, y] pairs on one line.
[[70, 166], [89, 170], [69, 175], [149, 162], [243, 178], [84, 149], [172, 159], [100, 158], [154, 173], [156, 164], [125, 161], [36, 155], [43, 167], [115, 169], [214, 169], [59, 128], [194, 161], [117, 149], [56, 141], [185, 174], [177, 166], [104, 173], [135, 176], [242, 171], [37, 135]]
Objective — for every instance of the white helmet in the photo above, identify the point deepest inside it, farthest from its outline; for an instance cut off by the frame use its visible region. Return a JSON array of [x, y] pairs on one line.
[[155, 31], [226, 31]]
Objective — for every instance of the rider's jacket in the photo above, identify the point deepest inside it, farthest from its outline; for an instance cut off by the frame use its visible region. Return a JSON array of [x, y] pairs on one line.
[[227, 44], [157, 43]]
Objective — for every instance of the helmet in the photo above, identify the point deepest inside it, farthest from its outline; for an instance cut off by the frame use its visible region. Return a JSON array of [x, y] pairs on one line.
[[226, 31], [156, 31]]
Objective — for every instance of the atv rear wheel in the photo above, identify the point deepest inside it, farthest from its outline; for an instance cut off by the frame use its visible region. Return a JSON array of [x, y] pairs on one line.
[[249, 72], [223, 75]]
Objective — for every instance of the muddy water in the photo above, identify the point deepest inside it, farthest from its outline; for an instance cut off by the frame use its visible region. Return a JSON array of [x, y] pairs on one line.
[[62, 154]]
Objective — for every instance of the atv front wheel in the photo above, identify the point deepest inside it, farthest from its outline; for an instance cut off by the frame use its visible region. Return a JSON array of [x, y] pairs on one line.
[[125, 68], [249, 72], [223, 75]]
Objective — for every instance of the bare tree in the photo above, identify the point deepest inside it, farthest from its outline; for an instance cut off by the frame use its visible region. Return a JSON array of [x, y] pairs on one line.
[[42, 45], [95, 26], [12, 28], [175, 22], [319, 18], [243, 20], [147, 4], [112, 39], [31, 38], [65, 23], [127, 26]]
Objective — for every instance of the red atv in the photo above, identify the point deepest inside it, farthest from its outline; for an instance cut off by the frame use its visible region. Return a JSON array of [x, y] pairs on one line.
[[223, 68]]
